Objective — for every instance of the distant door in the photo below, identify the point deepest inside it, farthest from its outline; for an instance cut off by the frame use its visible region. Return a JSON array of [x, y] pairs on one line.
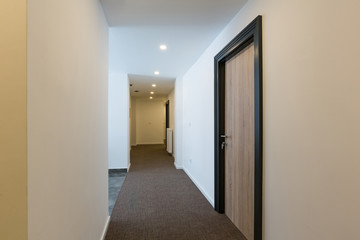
[[239, 149], [167, 119], [238, 131]]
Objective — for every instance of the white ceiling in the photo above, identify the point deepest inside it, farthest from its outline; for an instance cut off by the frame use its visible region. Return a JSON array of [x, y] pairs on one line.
[[143, 84], [188, 27], [170, 12]]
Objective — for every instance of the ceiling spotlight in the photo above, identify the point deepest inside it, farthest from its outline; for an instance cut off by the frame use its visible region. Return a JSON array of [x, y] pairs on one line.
[[156, 72], [151, 97], [154, 85], [163, 47], [151, 92]]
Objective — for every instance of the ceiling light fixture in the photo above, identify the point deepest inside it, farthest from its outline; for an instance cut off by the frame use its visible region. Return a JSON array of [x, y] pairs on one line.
[[151, 97], [154, 85], [151, 92], [156, 72], [163, 47]]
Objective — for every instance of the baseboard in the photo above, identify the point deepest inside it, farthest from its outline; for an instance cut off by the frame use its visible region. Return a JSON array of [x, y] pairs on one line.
[[210, 199], [177, 166], [128, 169], [105, 228], [152, 143], [117, 170]]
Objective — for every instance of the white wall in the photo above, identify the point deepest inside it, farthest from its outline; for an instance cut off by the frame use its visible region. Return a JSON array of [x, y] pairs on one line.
[[119, 139], [133, 121], [119, 104], [178, 123], [311, 117], [67, 120], [150, 121]]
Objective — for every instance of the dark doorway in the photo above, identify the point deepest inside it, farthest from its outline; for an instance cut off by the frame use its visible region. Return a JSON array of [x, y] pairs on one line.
[[167, 123]]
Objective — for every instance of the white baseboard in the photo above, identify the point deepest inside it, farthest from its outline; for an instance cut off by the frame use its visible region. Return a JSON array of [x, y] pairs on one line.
[[128, 169], [105, 228], [210, 199], [177, 166]]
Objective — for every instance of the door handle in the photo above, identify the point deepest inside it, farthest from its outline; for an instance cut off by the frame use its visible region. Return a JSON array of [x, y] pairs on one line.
[[223, 144]]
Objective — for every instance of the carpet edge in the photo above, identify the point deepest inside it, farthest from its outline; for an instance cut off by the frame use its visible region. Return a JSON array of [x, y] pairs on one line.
[[177, 166], [198, 185]]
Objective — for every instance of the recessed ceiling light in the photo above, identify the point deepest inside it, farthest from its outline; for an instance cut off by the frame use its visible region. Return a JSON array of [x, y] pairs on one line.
[[163, 47], [154, 85], [156, 72], [151, 97], [151, 92]]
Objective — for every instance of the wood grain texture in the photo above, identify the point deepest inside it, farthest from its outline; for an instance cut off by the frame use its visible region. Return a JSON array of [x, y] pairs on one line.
[[239, 153]]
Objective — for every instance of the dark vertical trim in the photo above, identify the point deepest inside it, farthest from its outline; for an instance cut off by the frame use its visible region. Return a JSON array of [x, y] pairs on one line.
[[219, 128], [258, 131], [251, 34], [167, 119], [167, 109]]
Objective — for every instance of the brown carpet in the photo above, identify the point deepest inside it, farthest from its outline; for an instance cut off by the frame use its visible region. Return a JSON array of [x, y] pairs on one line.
[[157, 201]]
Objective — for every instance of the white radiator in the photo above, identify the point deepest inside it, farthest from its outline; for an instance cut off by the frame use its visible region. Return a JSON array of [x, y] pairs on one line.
[[169, 140]]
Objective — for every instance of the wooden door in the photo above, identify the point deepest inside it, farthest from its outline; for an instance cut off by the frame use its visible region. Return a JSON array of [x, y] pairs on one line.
[[240, 144]]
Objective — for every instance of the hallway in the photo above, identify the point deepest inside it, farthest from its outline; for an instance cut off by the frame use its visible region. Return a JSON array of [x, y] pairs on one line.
[[159, 202]]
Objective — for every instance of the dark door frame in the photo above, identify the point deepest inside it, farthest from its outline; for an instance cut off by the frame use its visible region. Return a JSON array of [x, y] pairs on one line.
[[167, 118], [251, 34]]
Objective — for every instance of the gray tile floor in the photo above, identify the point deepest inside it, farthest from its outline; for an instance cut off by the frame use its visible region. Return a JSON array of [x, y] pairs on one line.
[[116, 179]]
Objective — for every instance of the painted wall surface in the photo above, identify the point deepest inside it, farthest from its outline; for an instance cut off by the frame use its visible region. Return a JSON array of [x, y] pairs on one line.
[[150, 121], [311, 117], [119, 102], [119, 140], [67, 120], [13, 140], [178, 123], [133, 121]]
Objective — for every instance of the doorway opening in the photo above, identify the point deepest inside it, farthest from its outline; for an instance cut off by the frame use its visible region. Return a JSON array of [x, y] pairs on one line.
[[151, 111]]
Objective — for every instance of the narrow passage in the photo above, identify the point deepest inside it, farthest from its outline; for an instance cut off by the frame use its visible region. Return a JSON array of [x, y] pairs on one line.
[[159, 202]]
